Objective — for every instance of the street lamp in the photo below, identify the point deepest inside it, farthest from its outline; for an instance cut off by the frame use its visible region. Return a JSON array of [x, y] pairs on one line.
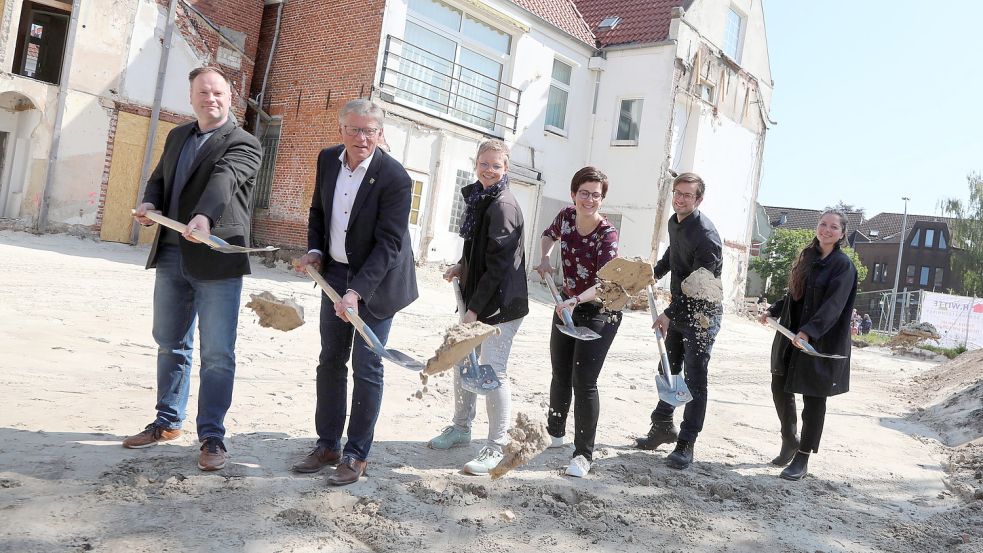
[[897, 270]]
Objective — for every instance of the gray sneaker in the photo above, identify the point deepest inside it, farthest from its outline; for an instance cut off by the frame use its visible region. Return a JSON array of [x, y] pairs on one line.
[[450, 437], [486, 460]]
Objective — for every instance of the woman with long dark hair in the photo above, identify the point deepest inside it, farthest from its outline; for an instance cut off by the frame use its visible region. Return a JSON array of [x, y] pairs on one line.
[[818, 308]]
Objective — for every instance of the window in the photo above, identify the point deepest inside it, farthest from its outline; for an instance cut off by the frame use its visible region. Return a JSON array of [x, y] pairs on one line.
[[734, 35], [942, 242], [923, 277], [415, 202], [629, 119], [883, 272], [453, 63], [910, 274], [929, 237], [556, 104], [41, 42], [264, 179], [914, 240], [939, 274], [876, 277], [464, 178]]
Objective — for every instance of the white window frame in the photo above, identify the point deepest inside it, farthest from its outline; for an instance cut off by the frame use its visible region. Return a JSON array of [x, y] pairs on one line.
[[741, 32], [617, 119], [562, 131], [463, 41]]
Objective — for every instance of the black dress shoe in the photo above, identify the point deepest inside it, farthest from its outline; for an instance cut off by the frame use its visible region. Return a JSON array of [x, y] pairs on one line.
[[662, 432], [798, 468], [317, 459], [789, 447], [348, 472], [682, 456]]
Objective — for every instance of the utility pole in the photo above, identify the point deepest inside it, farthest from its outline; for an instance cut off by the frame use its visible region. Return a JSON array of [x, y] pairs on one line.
[[897, 270]]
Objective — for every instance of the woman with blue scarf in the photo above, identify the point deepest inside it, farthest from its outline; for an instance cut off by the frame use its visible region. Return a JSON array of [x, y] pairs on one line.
[[492, 270]]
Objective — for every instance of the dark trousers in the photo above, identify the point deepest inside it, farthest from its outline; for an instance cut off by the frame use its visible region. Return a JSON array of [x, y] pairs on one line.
[[688, 345], [576, 365], [813, 414], [337, 339]]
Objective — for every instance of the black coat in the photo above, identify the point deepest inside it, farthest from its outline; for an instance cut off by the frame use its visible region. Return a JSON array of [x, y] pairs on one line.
[[493, 275], [380, 254], [220, 187], [827, 307]]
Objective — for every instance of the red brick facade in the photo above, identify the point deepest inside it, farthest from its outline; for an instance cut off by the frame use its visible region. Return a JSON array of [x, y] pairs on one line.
[[326, 55]]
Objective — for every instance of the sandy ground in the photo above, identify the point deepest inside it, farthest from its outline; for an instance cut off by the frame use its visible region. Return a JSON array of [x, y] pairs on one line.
[[77, 374]]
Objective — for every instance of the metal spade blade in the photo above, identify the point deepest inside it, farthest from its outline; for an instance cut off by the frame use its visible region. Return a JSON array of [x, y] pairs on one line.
[[672, 389], [475, 378], [578, 332]]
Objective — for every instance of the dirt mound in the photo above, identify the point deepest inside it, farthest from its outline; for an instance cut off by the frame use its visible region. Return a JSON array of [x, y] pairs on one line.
[[459, 341], [912, 334], [280, 314], [529, 439], [954, 407]]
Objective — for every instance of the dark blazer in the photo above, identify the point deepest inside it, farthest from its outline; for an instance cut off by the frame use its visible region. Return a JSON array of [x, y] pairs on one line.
[[220, 187], [826, 307], [493, 262], [380, 253]]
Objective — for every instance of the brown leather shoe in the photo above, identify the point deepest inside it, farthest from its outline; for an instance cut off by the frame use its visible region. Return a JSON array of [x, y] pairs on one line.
[[150, 436], [317, 459], [212, 456], [348, 472]]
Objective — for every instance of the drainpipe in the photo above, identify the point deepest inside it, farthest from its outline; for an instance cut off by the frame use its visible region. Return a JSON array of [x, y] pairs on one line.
[[148, 152], [269, 63], [41, 224]]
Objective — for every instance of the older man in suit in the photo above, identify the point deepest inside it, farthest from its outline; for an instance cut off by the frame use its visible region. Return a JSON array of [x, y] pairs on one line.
[[358, 237], [204, 179]]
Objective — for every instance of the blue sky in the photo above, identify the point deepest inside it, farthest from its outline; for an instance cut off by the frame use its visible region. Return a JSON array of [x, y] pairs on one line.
[[874, 100]]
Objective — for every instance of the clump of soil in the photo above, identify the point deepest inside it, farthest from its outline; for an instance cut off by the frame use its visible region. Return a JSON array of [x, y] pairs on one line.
[[702, 285], [528, 439], [621, 278], [282, 315], [459, 341], [911, 334]]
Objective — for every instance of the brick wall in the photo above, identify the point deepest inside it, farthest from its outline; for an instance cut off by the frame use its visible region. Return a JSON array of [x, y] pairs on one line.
[[326, 55]]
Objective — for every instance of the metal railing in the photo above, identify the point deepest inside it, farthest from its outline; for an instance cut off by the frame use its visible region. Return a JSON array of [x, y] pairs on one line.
[[877, 304], [446, 88]]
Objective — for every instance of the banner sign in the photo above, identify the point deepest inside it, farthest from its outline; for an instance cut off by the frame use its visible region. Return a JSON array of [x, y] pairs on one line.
[[958, 319]]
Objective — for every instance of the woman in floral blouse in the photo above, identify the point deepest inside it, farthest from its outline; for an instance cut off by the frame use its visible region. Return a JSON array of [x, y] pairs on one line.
[[587, 242]]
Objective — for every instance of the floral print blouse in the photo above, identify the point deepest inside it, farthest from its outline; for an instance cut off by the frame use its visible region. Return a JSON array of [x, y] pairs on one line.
[[582, 256]]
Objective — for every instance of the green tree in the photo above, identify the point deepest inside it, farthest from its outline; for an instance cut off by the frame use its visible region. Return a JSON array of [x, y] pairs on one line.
[[967, 236], [780, 251]]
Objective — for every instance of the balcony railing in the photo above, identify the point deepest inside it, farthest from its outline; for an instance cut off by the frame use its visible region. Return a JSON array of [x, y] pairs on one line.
[[447, 89]]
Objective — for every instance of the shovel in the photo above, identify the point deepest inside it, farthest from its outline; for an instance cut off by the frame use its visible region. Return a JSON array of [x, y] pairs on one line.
[[210, 240], [806, 347], [475, 378], [370, 338], [672, 390], [578, 332]]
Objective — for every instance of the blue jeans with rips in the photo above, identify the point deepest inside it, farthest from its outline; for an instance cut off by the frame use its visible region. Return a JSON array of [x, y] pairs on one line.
[[339, 341], [179, 301]]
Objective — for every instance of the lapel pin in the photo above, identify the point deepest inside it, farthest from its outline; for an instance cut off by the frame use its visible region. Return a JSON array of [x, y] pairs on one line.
[[372, 181]]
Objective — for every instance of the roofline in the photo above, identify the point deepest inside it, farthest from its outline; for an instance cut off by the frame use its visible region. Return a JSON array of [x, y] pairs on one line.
[[562, 31], [637, 45]]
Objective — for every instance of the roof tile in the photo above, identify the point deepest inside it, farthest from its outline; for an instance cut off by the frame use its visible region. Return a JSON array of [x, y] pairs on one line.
[[562, 14], [642, 21]]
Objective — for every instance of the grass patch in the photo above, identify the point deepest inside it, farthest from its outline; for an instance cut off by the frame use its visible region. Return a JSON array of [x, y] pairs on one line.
[[873, 338], [950, 353]]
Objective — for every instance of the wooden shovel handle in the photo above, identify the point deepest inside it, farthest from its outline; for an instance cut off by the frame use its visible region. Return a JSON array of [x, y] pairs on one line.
[[176, 226], [333, 295]]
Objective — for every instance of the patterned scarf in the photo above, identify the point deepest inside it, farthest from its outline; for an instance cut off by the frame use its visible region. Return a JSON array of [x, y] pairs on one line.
[[475, 194]]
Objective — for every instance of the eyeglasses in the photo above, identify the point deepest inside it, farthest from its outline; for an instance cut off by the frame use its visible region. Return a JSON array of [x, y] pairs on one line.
[[588, 195], [684, 195], [367, 132], [486, 166]]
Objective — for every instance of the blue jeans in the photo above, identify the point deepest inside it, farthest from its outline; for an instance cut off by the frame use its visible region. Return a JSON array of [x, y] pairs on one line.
[[337, 339], [179, 300], [690, 346]]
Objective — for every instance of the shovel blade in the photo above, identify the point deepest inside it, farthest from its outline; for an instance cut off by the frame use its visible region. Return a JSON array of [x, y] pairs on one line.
[[478, 379], [578, 332], [401, 359], [672, 389]]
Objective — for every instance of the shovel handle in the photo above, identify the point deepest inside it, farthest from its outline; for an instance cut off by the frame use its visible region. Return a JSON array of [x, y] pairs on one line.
[[357, 321], [179, 227], [567, 318], [459, 297]]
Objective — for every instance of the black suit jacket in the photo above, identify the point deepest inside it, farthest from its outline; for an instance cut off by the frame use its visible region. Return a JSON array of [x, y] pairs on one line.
[[220, 187], [380, 255]]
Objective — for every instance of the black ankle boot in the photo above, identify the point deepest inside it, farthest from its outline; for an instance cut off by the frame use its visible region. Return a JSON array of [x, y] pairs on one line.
[[682, 456], [662, 432], [789, 447], [798, 468]]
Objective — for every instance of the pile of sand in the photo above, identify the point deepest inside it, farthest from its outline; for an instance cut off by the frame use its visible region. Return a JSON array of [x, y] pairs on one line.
[[911, 334], [621, 279], [528, 439], [282, 315], [952, 395], [459, 341], [702, 285]]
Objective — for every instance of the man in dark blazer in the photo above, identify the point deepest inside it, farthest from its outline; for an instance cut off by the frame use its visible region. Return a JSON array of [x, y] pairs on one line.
[[358, 237], [204, 179]]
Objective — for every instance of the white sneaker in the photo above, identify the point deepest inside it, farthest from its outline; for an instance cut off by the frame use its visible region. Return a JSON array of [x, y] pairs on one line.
[[556, 442], [579, 467], [486, 460]]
